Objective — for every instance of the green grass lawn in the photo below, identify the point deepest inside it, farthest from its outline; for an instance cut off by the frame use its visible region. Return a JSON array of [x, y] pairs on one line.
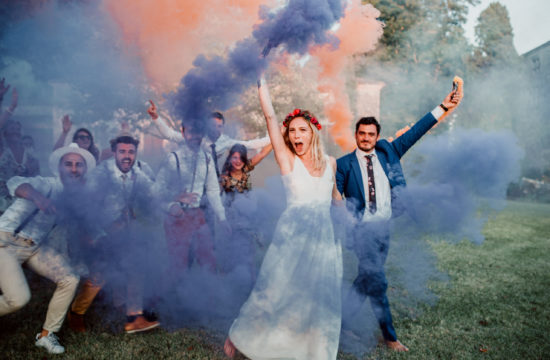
[[495, 306]]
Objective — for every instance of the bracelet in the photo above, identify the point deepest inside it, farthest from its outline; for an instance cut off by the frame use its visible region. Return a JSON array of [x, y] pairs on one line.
[[444, 107]]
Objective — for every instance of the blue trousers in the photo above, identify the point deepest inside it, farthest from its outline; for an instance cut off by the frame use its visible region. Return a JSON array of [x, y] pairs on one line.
[[371, 244]]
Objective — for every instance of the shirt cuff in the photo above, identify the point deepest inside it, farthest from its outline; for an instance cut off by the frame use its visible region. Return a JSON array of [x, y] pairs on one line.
[[438, 112]]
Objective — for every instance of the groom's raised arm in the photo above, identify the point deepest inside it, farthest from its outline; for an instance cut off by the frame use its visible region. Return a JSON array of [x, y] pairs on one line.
[[447, 106]]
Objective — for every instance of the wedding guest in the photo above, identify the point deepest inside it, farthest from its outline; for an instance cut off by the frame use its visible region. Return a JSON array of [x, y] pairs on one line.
[[183, 178], [239, 248], [14, 161], [120, 199], [83, 137], [24, 227], [6, 114], [235, 176]]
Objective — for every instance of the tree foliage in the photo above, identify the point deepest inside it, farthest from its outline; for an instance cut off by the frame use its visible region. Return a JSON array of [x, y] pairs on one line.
[[494, 35], [424, 46]]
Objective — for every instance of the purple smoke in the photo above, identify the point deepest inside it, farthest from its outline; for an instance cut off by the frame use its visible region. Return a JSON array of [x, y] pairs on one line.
[[459, 178], [215, 83]]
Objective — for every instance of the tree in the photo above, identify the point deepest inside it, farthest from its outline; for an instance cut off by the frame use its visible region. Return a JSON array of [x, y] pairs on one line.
[[422, 48], [494, 35]]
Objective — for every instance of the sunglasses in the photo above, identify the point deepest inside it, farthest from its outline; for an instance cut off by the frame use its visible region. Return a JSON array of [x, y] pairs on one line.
[[83, 137]]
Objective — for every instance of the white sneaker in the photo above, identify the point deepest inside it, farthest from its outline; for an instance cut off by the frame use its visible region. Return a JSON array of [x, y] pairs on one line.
[[50, 343]]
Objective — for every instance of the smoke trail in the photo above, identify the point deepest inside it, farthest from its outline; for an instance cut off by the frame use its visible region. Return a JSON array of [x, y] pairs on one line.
[[216, 82], [359, 32], [299, 24]]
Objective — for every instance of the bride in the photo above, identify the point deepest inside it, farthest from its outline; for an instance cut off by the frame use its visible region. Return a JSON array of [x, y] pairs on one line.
[[294, 310]]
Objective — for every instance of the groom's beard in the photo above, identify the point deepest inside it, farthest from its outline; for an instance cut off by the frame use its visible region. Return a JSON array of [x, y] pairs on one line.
[[365, 146]]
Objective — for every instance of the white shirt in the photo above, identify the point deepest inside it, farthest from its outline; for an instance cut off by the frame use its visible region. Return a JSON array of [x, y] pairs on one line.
[[41, 224], [107, 184], [381, 185], [381, 182], [197, 175]]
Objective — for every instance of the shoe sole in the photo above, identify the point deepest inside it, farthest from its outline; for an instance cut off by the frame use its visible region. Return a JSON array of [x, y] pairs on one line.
[[143, 329]]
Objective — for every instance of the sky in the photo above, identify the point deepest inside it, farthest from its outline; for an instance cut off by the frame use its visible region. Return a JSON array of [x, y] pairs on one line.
[[529, 21]]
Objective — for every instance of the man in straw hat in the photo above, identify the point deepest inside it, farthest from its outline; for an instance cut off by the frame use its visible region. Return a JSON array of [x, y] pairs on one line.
[[25, 225]]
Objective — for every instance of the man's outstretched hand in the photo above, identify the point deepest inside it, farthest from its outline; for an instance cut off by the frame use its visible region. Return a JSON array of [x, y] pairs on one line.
[[152, 111], [453, 99]]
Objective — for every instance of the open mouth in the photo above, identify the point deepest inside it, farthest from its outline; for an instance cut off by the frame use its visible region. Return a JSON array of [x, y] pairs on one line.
[[298, 146]]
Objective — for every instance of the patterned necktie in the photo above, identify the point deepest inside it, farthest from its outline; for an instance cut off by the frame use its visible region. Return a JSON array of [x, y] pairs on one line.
[[215, 157], [372, 189], [124, 177], [126, 210]]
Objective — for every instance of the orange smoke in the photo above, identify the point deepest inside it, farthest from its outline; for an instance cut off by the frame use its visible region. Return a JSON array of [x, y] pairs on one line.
[[358, 33], [169, 34]]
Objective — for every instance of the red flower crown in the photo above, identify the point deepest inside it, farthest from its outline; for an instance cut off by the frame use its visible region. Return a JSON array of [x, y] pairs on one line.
[[303, 114]]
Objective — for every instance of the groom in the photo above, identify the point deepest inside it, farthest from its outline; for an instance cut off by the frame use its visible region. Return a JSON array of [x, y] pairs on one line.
[[372, 180]]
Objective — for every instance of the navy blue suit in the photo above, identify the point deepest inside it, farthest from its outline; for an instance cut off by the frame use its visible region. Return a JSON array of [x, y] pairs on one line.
[[371, 239]]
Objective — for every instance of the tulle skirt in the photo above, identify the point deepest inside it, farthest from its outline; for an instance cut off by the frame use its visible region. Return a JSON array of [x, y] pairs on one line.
[[294, 310]]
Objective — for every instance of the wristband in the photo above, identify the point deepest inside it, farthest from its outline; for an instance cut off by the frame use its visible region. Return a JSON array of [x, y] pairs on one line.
[[444, 107]]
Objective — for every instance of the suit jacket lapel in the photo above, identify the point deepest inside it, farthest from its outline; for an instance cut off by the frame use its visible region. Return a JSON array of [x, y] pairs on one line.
[[357, 173]]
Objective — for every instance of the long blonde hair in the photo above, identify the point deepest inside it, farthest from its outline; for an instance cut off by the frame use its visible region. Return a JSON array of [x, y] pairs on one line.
[[317, 150]]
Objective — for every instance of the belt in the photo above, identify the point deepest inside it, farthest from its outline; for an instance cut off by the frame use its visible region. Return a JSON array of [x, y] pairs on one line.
[[191, 209]]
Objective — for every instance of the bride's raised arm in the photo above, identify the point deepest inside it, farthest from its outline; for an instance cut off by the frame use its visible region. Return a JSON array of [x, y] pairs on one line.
[[283, 155]]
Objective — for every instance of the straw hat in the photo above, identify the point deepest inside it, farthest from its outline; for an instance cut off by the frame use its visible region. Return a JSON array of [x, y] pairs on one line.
[[72, 148]]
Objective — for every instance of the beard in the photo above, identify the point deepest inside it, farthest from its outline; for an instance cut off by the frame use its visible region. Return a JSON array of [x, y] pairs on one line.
[[364, 146], [72, 181]]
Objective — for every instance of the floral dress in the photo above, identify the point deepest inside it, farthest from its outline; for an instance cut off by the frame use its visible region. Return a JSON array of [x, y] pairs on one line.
[[230, 184], [238, 202]]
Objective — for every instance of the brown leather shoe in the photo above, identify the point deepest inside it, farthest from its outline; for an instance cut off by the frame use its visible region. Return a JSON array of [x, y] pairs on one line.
[[396, 345], [140, 324], [76, 322]]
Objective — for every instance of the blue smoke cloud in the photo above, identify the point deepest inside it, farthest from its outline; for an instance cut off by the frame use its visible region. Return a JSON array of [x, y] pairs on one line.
[[459, 178], [75, 44], [300, 24]]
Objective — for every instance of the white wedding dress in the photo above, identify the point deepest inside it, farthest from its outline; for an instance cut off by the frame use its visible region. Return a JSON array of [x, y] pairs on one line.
[[294, 310]]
